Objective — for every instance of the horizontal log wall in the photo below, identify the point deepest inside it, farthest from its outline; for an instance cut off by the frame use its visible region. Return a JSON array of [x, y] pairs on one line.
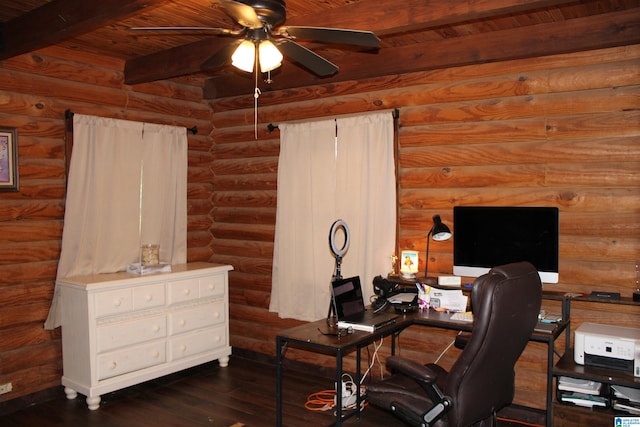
[[555, 131], [35, 91]]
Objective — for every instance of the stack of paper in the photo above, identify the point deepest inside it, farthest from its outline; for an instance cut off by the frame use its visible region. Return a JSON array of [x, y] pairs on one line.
[[586, 400], [581, 392], [579, 385], [626, 399]]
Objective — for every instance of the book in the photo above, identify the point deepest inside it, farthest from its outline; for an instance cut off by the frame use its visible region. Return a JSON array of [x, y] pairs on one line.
[[585, 400], [579, 385], [627, 393]]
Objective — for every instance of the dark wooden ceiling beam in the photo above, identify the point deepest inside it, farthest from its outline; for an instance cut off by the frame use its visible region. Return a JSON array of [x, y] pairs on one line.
[[174, 62], [383, 17], [59, 20], [595, 32]]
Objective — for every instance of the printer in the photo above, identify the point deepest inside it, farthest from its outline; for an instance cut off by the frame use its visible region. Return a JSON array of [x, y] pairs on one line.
[[608, 346]]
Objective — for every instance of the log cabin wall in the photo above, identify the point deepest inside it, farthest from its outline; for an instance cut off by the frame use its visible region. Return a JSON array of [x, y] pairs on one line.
[[560, 131], [552, 131], [35, 91]]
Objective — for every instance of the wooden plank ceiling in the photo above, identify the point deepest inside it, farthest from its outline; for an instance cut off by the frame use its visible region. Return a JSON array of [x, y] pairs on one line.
[[415, 34]]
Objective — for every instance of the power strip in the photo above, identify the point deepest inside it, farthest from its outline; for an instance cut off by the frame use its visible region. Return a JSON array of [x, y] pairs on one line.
[[349, 396]]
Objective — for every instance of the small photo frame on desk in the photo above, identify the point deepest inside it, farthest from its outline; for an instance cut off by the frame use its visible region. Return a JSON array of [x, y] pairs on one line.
[[8, 159]]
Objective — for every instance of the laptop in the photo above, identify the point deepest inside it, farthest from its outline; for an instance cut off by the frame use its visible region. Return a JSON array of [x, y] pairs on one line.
[[348, 303]]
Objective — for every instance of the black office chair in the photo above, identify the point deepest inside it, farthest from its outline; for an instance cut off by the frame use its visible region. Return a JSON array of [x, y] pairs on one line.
[[506, 302]]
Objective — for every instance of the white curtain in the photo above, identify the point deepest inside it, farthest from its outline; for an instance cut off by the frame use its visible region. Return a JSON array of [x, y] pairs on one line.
[[322, 178], [126, 187]]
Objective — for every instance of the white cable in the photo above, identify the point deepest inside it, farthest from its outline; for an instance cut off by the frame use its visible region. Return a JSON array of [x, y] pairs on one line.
[[373, 360], [445, 350]]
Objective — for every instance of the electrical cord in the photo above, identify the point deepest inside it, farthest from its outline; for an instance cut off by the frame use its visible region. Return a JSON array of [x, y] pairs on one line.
[[325, 400], [321, 400], [446, 349], [372, 361]]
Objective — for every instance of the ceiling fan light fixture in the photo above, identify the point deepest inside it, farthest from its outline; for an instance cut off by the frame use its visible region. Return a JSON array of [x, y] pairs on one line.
[[244, 56], [270, 56]]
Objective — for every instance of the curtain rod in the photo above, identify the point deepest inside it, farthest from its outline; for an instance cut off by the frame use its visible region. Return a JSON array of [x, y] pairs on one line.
[[271, 127], [68, 114]]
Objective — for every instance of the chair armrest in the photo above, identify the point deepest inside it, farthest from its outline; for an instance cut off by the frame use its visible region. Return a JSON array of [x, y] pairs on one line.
[[427, 377], [411, 369]]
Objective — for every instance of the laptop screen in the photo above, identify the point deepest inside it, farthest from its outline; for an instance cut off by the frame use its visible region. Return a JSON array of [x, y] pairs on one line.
[[347, 297]]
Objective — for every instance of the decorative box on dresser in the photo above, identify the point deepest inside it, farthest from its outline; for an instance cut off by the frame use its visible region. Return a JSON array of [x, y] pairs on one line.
[[120, 329]]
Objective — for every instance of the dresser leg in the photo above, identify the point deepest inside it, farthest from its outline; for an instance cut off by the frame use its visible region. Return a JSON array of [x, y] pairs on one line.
[[93, 402], [71, 393], [224, 361]]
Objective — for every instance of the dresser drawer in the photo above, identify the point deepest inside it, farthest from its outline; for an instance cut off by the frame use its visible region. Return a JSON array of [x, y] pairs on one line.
[[183, 291], [196, 317], [113, 302], [148, 296], [212, 285], [116, 335], [199, 342], [131, 359]]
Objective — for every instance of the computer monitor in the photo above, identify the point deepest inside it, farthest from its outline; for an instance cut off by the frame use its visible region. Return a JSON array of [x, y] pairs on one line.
[[488, 236]]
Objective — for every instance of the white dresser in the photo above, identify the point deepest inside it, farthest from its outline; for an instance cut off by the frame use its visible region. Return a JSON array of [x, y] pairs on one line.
[[120, 329]]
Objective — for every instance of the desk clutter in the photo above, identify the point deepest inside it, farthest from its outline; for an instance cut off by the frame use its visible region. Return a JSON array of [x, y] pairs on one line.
[[410, 295]]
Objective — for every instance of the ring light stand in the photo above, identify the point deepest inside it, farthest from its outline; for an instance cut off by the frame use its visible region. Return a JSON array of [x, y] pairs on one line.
[[338, 254]]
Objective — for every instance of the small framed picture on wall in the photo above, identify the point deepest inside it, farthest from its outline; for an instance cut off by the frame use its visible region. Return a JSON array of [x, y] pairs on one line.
[[8, 159]]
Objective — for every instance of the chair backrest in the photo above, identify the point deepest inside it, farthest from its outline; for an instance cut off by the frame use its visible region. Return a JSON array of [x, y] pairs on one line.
[[506, 302]]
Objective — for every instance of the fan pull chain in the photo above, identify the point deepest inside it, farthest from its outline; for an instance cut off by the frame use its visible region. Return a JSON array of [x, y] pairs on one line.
[[256, 95], [255, 112]]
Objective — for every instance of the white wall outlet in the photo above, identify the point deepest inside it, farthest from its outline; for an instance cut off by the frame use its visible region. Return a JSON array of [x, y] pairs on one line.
[[6, 388]]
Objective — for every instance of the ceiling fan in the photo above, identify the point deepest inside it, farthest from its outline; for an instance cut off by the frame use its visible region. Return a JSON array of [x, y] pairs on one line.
[[263, 37]]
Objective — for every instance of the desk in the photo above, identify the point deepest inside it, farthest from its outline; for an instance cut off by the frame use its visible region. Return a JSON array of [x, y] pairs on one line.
[[309, 337]]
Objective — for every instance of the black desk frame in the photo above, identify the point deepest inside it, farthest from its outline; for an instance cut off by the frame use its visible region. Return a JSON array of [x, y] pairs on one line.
[[309, 337]]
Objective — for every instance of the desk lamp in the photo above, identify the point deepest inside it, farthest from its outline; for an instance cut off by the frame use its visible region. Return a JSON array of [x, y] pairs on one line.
[[438, 232]]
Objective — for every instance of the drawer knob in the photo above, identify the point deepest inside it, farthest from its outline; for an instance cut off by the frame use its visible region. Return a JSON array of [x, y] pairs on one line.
[[113, 365], [149, 297], [183, 347], [217, 315], [183, 322], [156, 328], [187, 291], [156, 354], [118, 302]]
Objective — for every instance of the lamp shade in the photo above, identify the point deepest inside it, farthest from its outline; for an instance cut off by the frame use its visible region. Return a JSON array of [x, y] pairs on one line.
[[439, 231], [244, 56], [270, 56]]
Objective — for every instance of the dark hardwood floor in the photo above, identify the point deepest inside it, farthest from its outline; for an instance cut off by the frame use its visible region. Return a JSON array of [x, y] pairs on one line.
[[241, 395]]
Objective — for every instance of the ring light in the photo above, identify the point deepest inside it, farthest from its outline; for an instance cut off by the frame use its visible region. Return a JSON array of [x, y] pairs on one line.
[[332, 238]]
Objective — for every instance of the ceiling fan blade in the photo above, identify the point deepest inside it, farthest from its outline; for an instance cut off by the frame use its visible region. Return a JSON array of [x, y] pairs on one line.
[[221, 57], [243, 14], [307, 58], [331, 35], [165, 30]]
